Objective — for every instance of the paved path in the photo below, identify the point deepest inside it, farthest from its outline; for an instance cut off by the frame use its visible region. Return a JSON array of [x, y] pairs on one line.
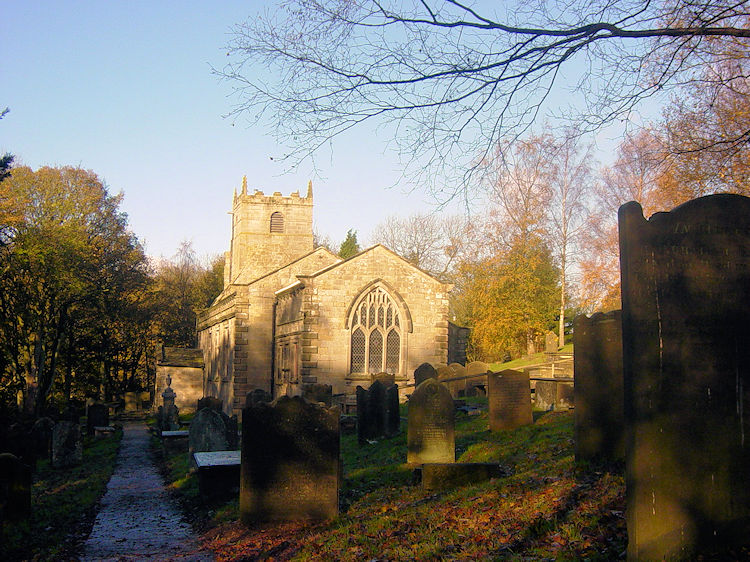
[[138, 519]]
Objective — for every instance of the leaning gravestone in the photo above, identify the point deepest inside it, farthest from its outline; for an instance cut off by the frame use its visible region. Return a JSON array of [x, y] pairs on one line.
[[290, 461], [509, 399], [96, 416], [208, 432], [67, 447], [15, 488], [686, 364], [599, 418], [431, 431], [423, 372]]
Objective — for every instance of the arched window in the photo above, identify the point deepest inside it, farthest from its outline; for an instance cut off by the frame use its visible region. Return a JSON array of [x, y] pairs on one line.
[[277, 222], [376, 334]]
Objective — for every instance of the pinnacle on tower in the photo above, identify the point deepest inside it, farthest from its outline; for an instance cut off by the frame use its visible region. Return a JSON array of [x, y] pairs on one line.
[[309, 189], [244, 185]]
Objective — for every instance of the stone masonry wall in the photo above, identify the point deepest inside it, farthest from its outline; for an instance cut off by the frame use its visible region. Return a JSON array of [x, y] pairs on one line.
[[326, 302]]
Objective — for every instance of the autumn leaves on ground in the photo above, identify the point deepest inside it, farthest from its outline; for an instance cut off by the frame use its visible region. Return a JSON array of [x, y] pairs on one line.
[[548, 508]]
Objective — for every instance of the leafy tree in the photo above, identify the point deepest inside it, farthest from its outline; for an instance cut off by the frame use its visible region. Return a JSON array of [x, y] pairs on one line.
[[66, 275], [6, 161], [455, 79], [349, 247], [509, 299]]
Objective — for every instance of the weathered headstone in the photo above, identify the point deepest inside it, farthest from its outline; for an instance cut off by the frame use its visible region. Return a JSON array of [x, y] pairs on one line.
[[392, 415], [431, 430], [169, 419], [370, 412], [509, 399], [290, 461], [423, 372], [97, 416], [686, 365], [476, 386], [318, 393], [458, 387], [599, 417], [208, 432], [553, 395], [210, 402], [67, 446], [41, 436], [15, 488], [550, 342], [131, 401]]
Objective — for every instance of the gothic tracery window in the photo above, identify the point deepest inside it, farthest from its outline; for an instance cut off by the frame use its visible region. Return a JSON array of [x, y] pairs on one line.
[[376, 334]]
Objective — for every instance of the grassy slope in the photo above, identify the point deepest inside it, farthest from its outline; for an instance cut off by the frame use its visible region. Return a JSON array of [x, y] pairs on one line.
[[534, 359], [548, 508], [64, 503]]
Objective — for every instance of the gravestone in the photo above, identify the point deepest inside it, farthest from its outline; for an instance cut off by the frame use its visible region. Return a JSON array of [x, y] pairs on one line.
[[431, 430], [210, 402], [318, 393], [169, 414], [208, 432], [476, 386], [385, 378], [686, 366], [290, 461], [15, 489], [97, 416], [67, 446], [41, 437], [377, 412], [550, 342], [552, 395], [257, 396], [509, 399], [131, 402], [423, 372], [458, 388]]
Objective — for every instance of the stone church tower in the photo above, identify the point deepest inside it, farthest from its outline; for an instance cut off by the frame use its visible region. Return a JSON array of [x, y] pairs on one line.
[[268, 232]]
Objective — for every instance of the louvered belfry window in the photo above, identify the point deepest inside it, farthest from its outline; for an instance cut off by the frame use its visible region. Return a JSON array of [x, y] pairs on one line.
[[376, 334], [277, 222]]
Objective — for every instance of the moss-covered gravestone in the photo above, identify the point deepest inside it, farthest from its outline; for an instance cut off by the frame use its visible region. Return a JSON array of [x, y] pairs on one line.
[[686, 364], [431, 433], [509, 399], [290, 461], [599, 419]]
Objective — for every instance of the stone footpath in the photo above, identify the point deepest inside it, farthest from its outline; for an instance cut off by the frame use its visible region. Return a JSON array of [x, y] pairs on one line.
[[138, 519]]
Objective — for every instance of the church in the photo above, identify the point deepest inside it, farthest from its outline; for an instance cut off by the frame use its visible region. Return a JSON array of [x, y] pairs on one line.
[[291, 314]]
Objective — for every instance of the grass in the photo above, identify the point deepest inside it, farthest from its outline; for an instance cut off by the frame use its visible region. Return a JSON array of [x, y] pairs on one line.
[[64, 503], [527, 360], [548, 508]]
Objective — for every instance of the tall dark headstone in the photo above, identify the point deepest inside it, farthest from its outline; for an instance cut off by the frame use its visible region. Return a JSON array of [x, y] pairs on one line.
[[392, 416], [97, 416], [15, 488], [423, 372], [509, 399], [377, 412], [41, 437], [686, 364], [599, 418], [431, 431], [290, 461]]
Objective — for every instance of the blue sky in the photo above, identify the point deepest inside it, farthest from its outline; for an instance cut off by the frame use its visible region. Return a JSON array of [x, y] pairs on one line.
[[125, 89]]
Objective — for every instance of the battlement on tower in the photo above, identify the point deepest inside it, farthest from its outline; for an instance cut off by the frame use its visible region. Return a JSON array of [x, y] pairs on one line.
[[268, 231]]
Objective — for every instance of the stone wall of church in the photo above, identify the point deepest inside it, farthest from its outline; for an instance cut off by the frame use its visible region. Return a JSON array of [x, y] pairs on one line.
[[256, 249], [327, 300]]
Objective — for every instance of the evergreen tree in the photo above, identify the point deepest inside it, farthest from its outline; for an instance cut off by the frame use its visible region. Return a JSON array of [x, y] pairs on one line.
[[349, 247]]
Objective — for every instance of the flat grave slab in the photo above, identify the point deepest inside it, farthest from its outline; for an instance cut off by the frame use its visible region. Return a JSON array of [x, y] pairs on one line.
[[217, 458]]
